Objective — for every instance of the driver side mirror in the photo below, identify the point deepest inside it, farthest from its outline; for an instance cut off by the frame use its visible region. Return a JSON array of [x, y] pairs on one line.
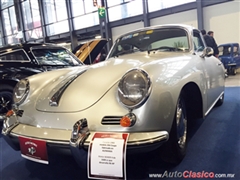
[[207, 52]]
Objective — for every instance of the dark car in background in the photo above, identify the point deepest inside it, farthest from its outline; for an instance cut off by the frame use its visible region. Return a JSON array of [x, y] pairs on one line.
[[23, 60], [230, 56]]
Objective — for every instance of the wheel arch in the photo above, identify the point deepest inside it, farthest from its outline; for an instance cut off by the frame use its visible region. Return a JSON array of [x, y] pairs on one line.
[[193, 100], [7, 83]]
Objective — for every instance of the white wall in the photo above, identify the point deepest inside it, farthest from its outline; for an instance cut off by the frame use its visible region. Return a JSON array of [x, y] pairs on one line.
[[187, 17], [117, 31], [224, 20]]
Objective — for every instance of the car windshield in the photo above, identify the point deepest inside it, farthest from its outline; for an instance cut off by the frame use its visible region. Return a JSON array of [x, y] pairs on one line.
[[164, 39], [55, 56]]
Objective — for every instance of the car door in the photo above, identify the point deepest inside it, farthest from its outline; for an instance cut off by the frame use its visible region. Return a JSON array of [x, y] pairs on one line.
[[213, 71]]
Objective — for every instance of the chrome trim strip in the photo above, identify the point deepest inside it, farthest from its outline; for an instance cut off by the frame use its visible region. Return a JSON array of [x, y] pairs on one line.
[[6, 131], [35, 160], [160, 138], [57, 96], [213, 104], [46, 140], [232, 64], [27, 60], [111, 120], [50, 46], [149, 141]]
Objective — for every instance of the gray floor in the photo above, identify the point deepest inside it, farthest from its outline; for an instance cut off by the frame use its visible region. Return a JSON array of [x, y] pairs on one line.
[[233, 81]]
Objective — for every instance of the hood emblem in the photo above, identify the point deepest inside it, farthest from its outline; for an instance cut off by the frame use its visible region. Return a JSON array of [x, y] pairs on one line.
[[54, 101]]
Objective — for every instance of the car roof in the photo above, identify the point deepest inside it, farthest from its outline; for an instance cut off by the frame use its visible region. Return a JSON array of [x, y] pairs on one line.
[[26, 45], [187, 27], [229, 44]]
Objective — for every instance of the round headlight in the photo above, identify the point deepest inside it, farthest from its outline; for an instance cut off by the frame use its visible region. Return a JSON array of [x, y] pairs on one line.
[[134, 88], [20, 91]]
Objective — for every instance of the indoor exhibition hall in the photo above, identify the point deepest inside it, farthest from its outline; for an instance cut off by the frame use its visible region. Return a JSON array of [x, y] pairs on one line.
[[119, 89]]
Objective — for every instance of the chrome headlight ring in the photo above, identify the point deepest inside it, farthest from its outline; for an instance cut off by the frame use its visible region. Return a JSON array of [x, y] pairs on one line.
[[21, 91], [134, 88]]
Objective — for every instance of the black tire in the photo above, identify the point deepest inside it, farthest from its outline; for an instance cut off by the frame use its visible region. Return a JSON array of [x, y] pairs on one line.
[[6, 94], [234, 71], [174, 150], [220, 101]]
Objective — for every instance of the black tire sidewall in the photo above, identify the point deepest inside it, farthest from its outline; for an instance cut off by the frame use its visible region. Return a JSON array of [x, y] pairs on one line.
[[171, 151]]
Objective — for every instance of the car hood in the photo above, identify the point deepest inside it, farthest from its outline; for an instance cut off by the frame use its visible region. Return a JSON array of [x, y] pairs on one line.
[[92, 83]]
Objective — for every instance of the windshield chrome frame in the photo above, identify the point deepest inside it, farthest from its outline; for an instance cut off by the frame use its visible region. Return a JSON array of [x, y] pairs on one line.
[[187, 29], [53, 47]]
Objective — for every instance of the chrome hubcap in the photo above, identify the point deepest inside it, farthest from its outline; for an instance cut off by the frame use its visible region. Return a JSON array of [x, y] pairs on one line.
[[4, 103], [221, 97], [181, 126]]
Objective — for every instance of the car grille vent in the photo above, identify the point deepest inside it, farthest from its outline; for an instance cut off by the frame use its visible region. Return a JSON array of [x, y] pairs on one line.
[[111, 120]]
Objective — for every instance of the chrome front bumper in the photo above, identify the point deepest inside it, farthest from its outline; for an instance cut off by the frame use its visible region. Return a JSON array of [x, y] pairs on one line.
[[81, 136], [135, 140], [138, 142], [2, 117], [12, 130]]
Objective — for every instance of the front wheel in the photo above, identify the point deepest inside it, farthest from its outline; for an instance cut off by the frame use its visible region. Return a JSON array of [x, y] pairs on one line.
[[220, 101], [234, 71], [174, 150], [6, 93]]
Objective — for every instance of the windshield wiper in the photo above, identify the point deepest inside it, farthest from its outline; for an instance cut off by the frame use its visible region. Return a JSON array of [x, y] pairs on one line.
[[126, 52], [168, 48]]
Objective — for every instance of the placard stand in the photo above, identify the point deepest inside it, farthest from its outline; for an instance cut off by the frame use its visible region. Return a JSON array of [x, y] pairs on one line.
[[107, 156]]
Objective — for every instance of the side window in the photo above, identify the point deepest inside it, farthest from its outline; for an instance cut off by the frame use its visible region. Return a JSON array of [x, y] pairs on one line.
[[198, 42], [220, 49], [14, 56], [224, 50], [235, 51]]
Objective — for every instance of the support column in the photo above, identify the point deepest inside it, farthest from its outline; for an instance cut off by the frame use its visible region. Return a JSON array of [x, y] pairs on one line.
[[146, 20], [108, 30], [200, 14], [19, 19], [73, 36], [1, 28], [43, 22]]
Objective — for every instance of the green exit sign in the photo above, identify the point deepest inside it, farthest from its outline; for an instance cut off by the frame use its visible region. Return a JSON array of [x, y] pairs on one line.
[[102, 12]]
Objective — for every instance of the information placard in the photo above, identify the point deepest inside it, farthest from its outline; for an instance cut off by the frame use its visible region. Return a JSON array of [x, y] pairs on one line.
[[107, 156]]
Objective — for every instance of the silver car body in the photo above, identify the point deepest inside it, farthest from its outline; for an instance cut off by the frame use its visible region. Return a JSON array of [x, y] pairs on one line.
[[93, 95]]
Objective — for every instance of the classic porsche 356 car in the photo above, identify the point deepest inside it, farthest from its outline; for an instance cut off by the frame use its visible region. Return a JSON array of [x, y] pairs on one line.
[[154, 81]]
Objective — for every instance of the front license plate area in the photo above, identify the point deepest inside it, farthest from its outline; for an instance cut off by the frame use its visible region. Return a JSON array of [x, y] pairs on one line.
[[33, 149]]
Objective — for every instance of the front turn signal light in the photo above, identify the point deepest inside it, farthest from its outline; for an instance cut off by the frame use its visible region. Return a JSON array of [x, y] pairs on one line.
[[9, 113], [128, 120], [125, 121]]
